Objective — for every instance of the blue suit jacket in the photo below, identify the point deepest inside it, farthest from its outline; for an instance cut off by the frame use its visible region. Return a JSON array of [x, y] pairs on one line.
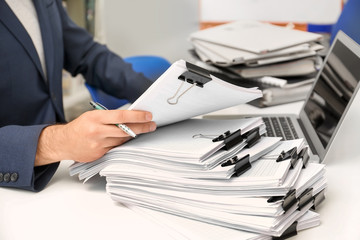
[[29, 102]]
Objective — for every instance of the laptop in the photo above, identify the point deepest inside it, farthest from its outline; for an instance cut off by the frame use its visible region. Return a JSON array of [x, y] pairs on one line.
[[327, 103]]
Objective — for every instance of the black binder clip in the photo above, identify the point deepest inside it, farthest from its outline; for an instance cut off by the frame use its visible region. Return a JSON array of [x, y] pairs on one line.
[[304, 154], [289, 199], [230, 161], [222, 136], [305, 198], [318, 198], [292, 154], [195, 75], [230, 139], [289, 232], [252, 137], [242, 165]]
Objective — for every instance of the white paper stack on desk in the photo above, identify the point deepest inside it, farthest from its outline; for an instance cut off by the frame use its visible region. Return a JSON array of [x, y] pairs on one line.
[[180, 228], [242, 203], [222, 172], [186, 147], [173, 170], [282, 61]]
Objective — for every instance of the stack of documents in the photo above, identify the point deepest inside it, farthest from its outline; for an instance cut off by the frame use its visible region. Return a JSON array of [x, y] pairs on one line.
[[224, 173], [221, 172], [266, 55], [186, 148], [253, 43], [186, 229]]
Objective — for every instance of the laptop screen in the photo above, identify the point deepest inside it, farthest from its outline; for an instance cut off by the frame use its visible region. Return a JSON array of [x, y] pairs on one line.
[[336, 84]]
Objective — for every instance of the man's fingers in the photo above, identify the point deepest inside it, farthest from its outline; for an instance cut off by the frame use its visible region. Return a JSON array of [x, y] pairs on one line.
[[123, 116], [111, 130], [139, 128]]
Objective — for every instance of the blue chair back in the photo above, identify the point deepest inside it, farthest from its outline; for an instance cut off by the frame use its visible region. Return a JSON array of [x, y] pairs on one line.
[[349, 21], [151, 66]]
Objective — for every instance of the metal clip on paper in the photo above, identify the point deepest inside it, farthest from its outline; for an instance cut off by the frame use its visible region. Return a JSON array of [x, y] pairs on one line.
[[318, 198], [306, 197], [230, 139], [252, 137], [289, 199], [195, 75], [291, 154], [241, 165], [304, 154], [289, 232]]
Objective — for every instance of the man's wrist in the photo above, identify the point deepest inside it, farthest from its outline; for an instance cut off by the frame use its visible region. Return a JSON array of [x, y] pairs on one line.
[[47, 149]]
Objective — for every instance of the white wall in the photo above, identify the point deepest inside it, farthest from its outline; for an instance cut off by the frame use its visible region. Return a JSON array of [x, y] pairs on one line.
[[159, 27]]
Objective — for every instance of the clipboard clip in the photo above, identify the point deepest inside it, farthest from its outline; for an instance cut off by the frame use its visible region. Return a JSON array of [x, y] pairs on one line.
[[195, 75]]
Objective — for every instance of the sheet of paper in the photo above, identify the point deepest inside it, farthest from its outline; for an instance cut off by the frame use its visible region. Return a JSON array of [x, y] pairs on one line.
[[171, 100]]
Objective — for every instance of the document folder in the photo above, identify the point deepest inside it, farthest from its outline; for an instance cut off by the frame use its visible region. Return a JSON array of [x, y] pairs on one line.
[[254, 36]]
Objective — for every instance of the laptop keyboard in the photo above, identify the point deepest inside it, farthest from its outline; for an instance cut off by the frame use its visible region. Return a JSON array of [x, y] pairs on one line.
[[280, 127]]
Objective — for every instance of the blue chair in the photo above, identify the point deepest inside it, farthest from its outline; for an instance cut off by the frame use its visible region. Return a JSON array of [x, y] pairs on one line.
[[151, 66], [348, 21]]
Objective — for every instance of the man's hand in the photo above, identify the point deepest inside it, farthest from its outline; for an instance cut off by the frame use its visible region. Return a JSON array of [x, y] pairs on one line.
[[90, 136]]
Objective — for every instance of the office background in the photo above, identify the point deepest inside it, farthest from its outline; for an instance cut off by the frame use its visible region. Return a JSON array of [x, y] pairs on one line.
[[157, 27], [68, 197], [161, 27]]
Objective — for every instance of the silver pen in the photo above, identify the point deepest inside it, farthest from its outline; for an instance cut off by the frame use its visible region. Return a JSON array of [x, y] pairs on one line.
[[123, 127]]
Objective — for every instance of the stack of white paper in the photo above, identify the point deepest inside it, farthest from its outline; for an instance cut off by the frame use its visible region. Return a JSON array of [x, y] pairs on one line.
[[186, 147], [180, 170], [253, 43], [186, 229], [239, 203], [222, 172], [283, 62]]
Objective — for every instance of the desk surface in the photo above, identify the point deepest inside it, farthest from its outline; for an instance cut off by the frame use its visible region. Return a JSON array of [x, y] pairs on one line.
[[70, 209]]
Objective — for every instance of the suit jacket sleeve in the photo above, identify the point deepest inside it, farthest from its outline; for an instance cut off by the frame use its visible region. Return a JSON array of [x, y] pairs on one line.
[[18, 146], [100, 67], [75, 51]]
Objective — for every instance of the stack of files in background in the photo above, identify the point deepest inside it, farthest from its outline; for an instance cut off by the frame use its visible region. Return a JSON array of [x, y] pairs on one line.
[[244, 181], [280, 60]]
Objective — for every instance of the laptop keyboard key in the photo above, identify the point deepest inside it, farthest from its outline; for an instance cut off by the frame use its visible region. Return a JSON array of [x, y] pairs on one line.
[[292, 128], [280, 127]]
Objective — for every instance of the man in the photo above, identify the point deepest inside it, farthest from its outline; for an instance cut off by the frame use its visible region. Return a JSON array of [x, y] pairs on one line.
[[37, 41]]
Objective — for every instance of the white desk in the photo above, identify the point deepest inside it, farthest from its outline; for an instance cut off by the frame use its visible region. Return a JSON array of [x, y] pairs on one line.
[[68, 209]]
